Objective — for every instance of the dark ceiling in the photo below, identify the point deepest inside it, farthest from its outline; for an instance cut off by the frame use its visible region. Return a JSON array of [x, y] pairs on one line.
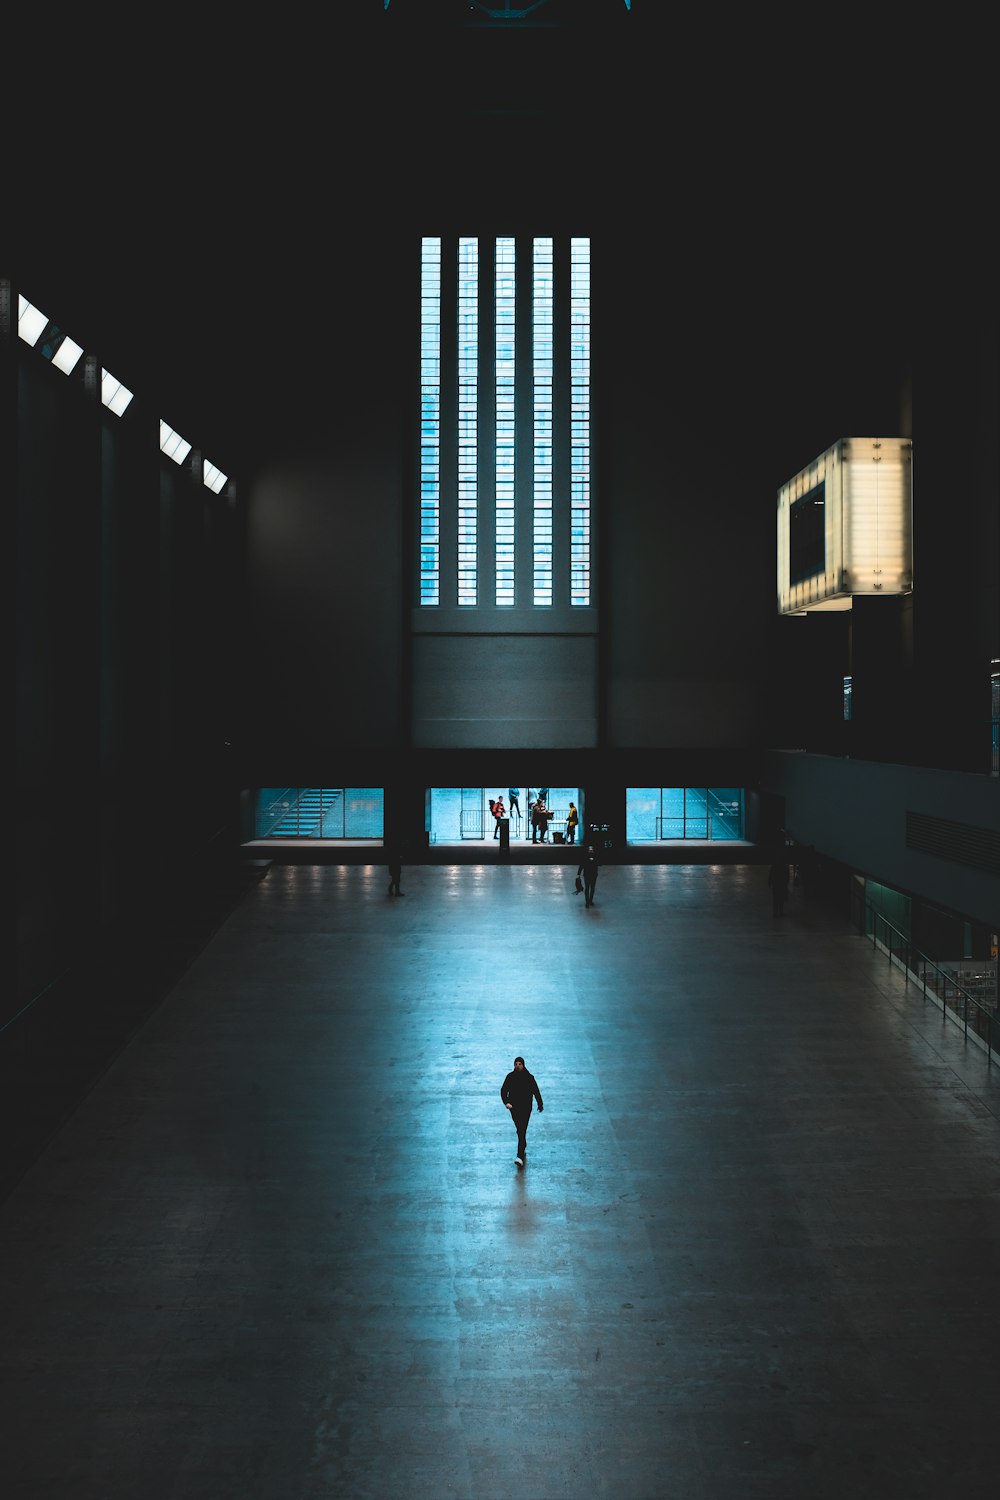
[[184, 196]]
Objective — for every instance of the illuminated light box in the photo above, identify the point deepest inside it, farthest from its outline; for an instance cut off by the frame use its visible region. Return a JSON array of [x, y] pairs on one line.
[[845, 526]]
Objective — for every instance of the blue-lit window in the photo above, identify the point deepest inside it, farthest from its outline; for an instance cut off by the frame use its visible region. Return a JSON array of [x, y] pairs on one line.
[[468, 420], [541, 326], [506, 419], [848, 697], [580, 419], [505, 413], [320, 812], [654, 813], [430, 422]]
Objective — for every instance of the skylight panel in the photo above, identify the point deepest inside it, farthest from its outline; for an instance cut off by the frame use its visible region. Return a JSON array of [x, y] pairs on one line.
[[115, 396], [172, 444], [30, 322], [214, 478]]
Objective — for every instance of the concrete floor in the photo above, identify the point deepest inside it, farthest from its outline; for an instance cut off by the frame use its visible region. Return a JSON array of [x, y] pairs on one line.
[[281, 1251]]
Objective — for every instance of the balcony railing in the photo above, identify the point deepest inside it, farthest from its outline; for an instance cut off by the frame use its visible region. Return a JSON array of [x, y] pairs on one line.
[[975, 1013]]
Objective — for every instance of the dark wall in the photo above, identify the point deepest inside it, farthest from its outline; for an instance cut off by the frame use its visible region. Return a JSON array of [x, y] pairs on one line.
[[127, 584], [56, 460], [321, 663], [701, 411], [322, 668]]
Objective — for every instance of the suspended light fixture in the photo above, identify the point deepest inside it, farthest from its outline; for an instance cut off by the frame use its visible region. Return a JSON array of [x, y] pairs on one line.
[[845, 526]]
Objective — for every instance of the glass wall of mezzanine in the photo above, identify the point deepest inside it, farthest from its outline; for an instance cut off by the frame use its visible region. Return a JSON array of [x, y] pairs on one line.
[[655, 814], [320, 812], [455, 814]]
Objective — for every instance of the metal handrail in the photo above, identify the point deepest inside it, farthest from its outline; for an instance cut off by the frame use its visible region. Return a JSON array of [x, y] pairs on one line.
[[932, 978]]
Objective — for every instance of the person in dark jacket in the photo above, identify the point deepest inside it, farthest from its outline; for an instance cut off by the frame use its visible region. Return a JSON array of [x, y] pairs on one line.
[[587, 870], [517, 1091]]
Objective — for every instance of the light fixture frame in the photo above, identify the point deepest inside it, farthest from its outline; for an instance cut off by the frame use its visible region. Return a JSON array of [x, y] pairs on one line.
[[867, 486]]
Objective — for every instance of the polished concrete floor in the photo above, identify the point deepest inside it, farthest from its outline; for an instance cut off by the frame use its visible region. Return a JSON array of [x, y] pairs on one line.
[[281, 1250]]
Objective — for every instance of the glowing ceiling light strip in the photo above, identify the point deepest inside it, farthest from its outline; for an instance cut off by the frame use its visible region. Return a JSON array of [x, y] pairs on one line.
[[115, 396], [30, 322], [214, 478], [172, 444], [67, 356]]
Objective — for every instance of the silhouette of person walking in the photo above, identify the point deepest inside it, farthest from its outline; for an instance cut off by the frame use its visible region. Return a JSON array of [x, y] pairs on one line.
[[517, 1091], [588, 870]]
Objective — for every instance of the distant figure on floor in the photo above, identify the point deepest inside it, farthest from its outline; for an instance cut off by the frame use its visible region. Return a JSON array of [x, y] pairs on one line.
[[517, 1091], [777, 879], [587, 871], [395, 862], [572, 823], [513, 796]]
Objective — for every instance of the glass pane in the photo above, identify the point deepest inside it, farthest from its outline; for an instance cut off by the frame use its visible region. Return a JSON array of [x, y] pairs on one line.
[[506, 419], [673, 812], [273, 806], [725, 804], [363, 812], [468, 429], [472, 820], [642, 813], [320, 812], [580, 421], [542, 434], [696, 812], [430, 422]]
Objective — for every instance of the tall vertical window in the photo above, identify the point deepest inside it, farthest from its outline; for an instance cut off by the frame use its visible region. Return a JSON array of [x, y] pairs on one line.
[[505, 430], [541, 359], [430, 422], [468, 420], [580, 421], [506, 419]]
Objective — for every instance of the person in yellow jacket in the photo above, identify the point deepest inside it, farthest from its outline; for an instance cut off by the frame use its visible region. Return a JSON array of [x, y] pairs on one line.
[[572, 823]]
